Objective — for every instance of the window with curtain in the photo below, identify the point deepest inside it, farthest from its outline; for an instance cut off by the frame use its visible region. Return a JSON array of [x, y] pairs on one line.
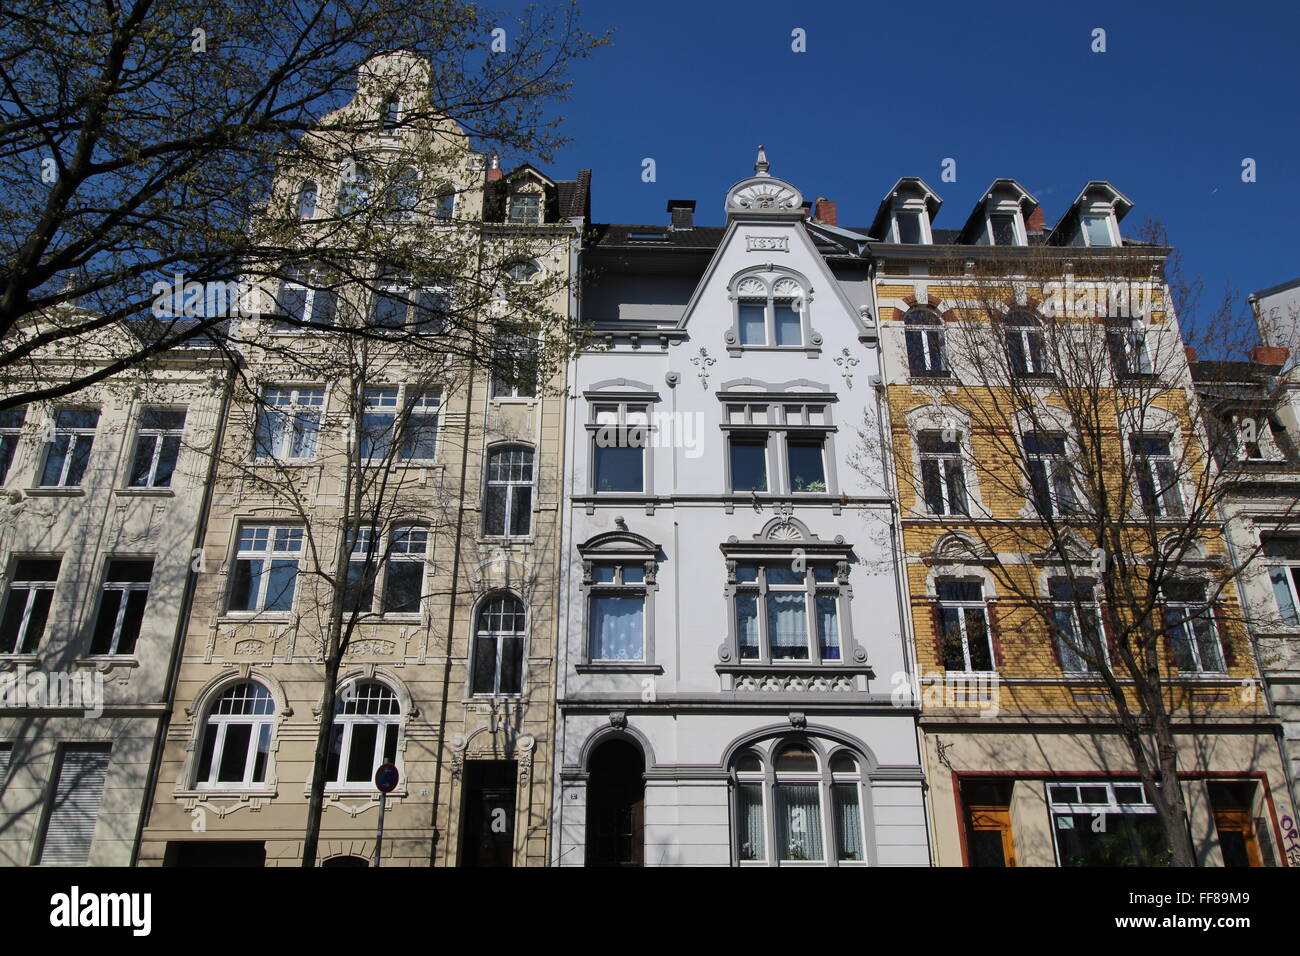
[[616, 603], [787, 611]]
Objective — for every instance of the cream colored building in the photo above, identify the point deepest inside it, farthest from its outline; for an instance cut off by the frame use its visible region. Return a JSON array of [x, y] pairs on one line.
[[449, 673], [102, 493]]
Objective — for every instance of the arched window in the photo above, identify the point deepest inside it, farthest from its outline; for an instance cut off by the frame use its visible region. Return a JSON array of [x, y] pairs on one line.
[[522, 270], [793, 803], [1026, 349], [367, 721], [770, 315], [508, 497], [354, 186], [236, 745], [307, 194], [925, 342], [499, 646]]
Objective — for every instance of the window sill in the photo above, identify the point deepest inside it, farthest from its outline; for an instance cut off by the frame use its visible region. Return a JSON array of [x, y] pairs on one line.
[[11, 661], [145, 492], [928, 376], [750, 666], [513, 400], [616, 667], [55, 492], [241, 791], [247, 617], [345, 790], [104, 662]]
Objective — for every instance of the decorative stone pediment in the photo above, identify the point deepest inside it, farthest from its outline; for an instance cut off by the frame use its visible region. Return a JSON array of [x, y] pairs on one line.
[[763, 193], [957, 548]]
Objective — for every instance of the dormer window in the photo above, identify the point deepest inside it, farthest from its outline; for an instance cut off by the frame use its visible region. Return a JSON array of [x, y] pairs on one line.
[[1096, 230], [907, 227], [906, 213], [525, 209], [1003, 230], [999, 218], [1092, 221]]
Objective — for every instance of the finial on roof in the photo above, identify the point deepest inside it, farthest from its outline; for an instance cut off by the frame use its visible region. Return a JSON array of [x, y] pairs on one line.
[[761, 167]]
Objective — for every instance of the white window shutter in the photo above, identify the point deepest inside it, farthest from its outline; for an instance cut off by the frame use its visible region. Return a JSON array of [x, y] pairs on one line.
[[77, 795]]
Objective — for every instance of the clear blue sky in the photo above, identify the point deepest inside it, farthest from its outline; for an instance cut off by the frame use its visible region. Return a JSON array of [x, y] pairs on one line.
[[1183, 93]]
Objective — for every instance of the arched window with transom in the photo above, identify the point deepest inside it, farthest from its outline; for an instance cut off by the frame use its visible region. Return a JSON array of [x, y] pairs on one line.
[[499, 629], [508, 495], [367, 724], [236, 746]]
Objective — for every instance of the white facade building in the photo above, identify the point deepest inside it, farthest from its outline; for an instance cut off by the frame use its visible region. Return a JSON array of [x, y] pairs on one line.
[[731, 640]]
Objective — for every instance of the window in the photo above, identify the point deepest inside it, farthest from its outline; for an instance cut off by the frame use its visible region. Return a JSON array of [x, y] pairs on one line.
[[121, 606], [401, 195], [909, 227], [943, 476], [1157, 475], [508, 510], [408, 548], [515, 369], [806, 461], [1128, 349], [288, 423], [266, 568], [27, 604], [748, 462], [798, 806], [354, 187], [69, 452], [1096, 230], [1076, 624], [620, 434], [1189, 626], [525, 209], [416, 425], [236, 746], [787, 611], [925, 342], [392, 113], [6, 750], [522, 270], [1248, 436], [397, 304], [363, 568], [307, 298], [74, 811], [616, 605], [11, 429], [1026, 350], [963, 624], [444, 202], [770, 315], [367, 722], [1105, 824], [307, 194], [499, 646], [1283, 553], [1002, 226], [157, 446], [1049, 475]]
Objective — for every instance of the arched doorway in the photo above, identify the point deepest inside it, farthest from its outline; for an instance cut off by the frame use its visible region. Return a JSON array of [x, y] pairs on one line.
[[616, 805]]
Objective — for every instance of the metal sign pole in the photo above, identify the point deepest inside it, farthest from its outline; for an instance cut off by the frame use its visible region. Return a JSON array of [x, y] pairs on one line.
[[379, 830]]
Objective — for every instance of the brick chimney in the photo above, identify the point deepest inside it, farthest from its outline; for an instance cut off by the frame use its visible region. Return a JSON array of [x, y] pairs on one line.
[[824, 211], [1191, 354], [1035, 221], [494, 168], [1269, 355], [683, 213]]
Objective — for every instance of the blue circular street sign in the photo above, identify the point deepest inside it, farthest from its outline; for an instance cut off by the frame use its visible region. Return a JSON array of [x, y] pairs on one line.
[[386, 778]]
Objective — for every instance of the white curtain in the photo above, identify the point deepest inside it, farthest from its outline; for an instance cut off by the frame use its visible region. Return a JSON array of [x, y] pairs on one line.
[[616, 628], [787, 625]]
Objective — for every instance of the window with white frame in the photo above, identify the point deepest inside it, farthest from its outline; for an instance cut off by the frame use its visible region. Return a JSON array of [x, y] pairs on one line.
[[157, 446], [444, 202], [524, 209], [923, 331], [288, 423], [795, 806], [1156, 475], [616, 611], [522, 270], [1128, 349], [308, 297], [1098, 823], [392, 113], [508, 495], [1095, 229], [909, 227], [27, 604], [236, 746], [1026, 345], [1189, 627], [1050, 479], [306, 199], [770, 314], [401, 194], [367, 724], [1282, 553], [121, 606], [1003, 229], [403, 414], [408, 552], [943, 475], [516, 368], [68, 452], [399, 305], [1076, 625], [963, 626], [11, 430], [1250, 436], [499, 646], [267, 560], [355, 183], [787, 610], [620, 434]]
